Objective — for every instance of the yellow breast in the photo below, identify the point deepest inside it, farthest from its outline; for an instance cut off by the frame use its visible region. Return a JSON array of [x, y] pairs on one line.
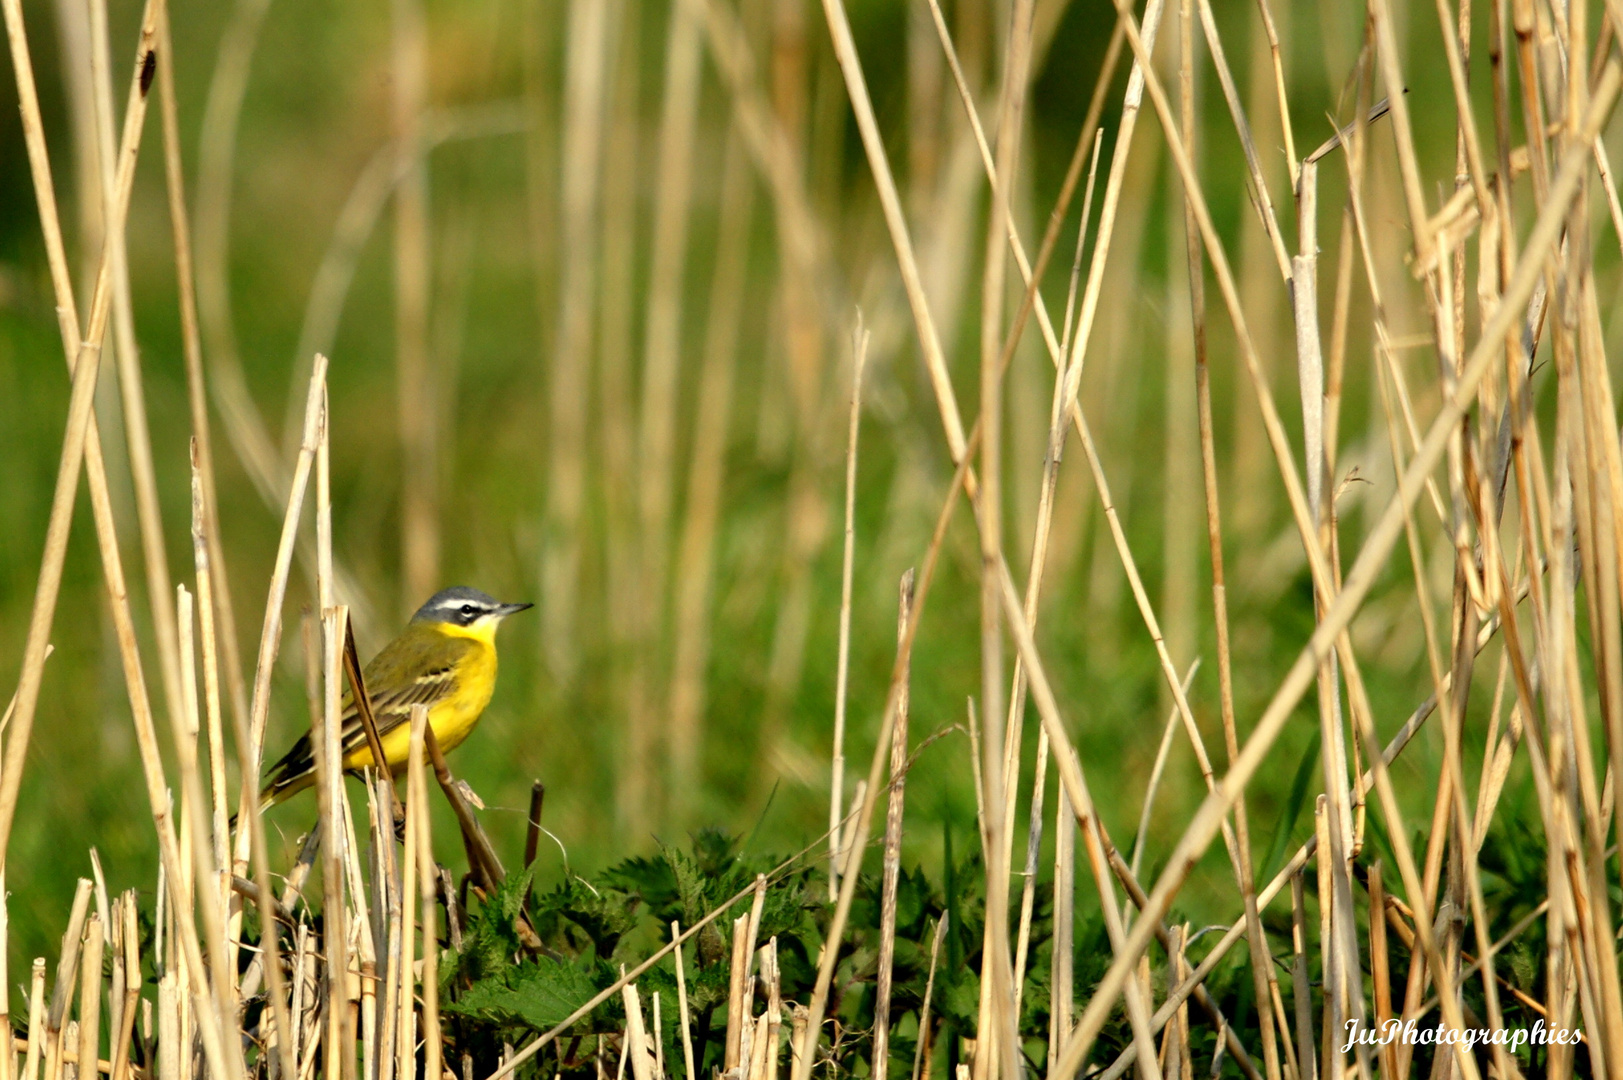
[[453, 717]]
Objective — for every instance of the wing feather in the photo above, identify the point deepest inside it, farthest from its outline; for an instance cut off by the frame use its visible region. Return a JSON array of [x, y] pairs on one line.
[[417, 668], [393, 706]]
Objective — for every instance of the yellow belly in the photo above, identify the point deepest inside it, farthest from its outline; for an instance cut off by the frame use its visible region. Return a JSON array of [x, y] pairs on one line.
[[453, 718]]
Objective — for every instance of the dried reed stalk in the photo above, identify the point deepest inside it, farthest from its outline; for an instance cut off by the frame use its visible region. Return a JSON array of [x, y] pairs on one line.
[[222, 109], [922, 1044], [892, 865], [250, 730], [404, 924], [1034, 581], [713, 410], [67, 312], [221, 608], [66, 976], [662, 354], [1257, 939], [737, 1012], [1262, 969], [8, 1055], [1175, 1039], [1131, 104], [1380, 967], [390, 882], [658, 1038], [771, 148], [589, 35], [270, 635], [1076, 787], [338, 1041], [774, 1010], [169, 1049], [836, 800], [132, 990], [869, 788], [90, 995], [1179, 501], [132, 397], [1157, 770], [1331, 1060], [417, 384], [434, 1053], [483, 861], [196, 824], [635, 660], [896, 224], [682, 1004], [207, 610], [36, 1020], [1062, 947]]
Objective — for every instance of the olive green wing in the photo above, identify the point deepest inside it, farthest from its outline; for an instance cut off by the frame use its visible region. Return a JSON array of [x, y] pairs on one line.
[[417, 668]]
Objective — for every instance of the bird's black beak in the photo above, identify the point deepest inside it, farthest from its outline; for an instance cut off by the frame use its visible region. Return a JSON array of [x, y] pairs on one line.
[[512, 609]]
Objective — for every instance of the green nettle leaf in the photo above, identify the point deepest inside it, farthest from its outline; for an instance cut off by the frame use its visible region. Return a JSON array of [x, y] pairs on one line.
[[1292, 812], [1034, 1002], [797, 955], [650, 878], [689, 883], [1523, 964], [715, 851], [902, 1049], [708, 988], [604, 914], [538, 994], [960, 997], [490, 942], [913, 900]]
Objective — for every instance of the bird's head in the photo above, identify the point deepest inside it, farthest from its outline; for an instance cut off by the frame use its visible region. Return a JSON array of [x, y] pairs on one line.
[[466, 612]]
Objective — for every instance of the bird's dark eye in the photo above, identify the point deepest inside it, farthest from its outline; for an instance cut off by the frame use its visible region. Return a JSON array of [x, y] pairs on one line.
[[467, 611]]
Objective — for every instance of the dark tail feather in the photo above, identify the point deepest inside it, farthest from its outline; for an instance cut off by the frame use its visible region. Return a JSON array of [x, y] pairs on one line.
[[270, 796]]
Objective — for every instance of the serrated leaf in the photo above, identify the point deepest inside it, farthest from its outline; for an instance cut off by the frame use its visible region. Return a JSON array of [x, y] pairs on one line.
[[604, 915], [490, 941], [961, 997], [539, 994]]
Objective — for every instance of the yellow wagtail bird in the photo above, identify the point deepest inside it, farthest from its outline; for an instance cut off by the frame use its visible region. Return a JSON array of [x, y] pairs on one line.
[[445, 659]]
